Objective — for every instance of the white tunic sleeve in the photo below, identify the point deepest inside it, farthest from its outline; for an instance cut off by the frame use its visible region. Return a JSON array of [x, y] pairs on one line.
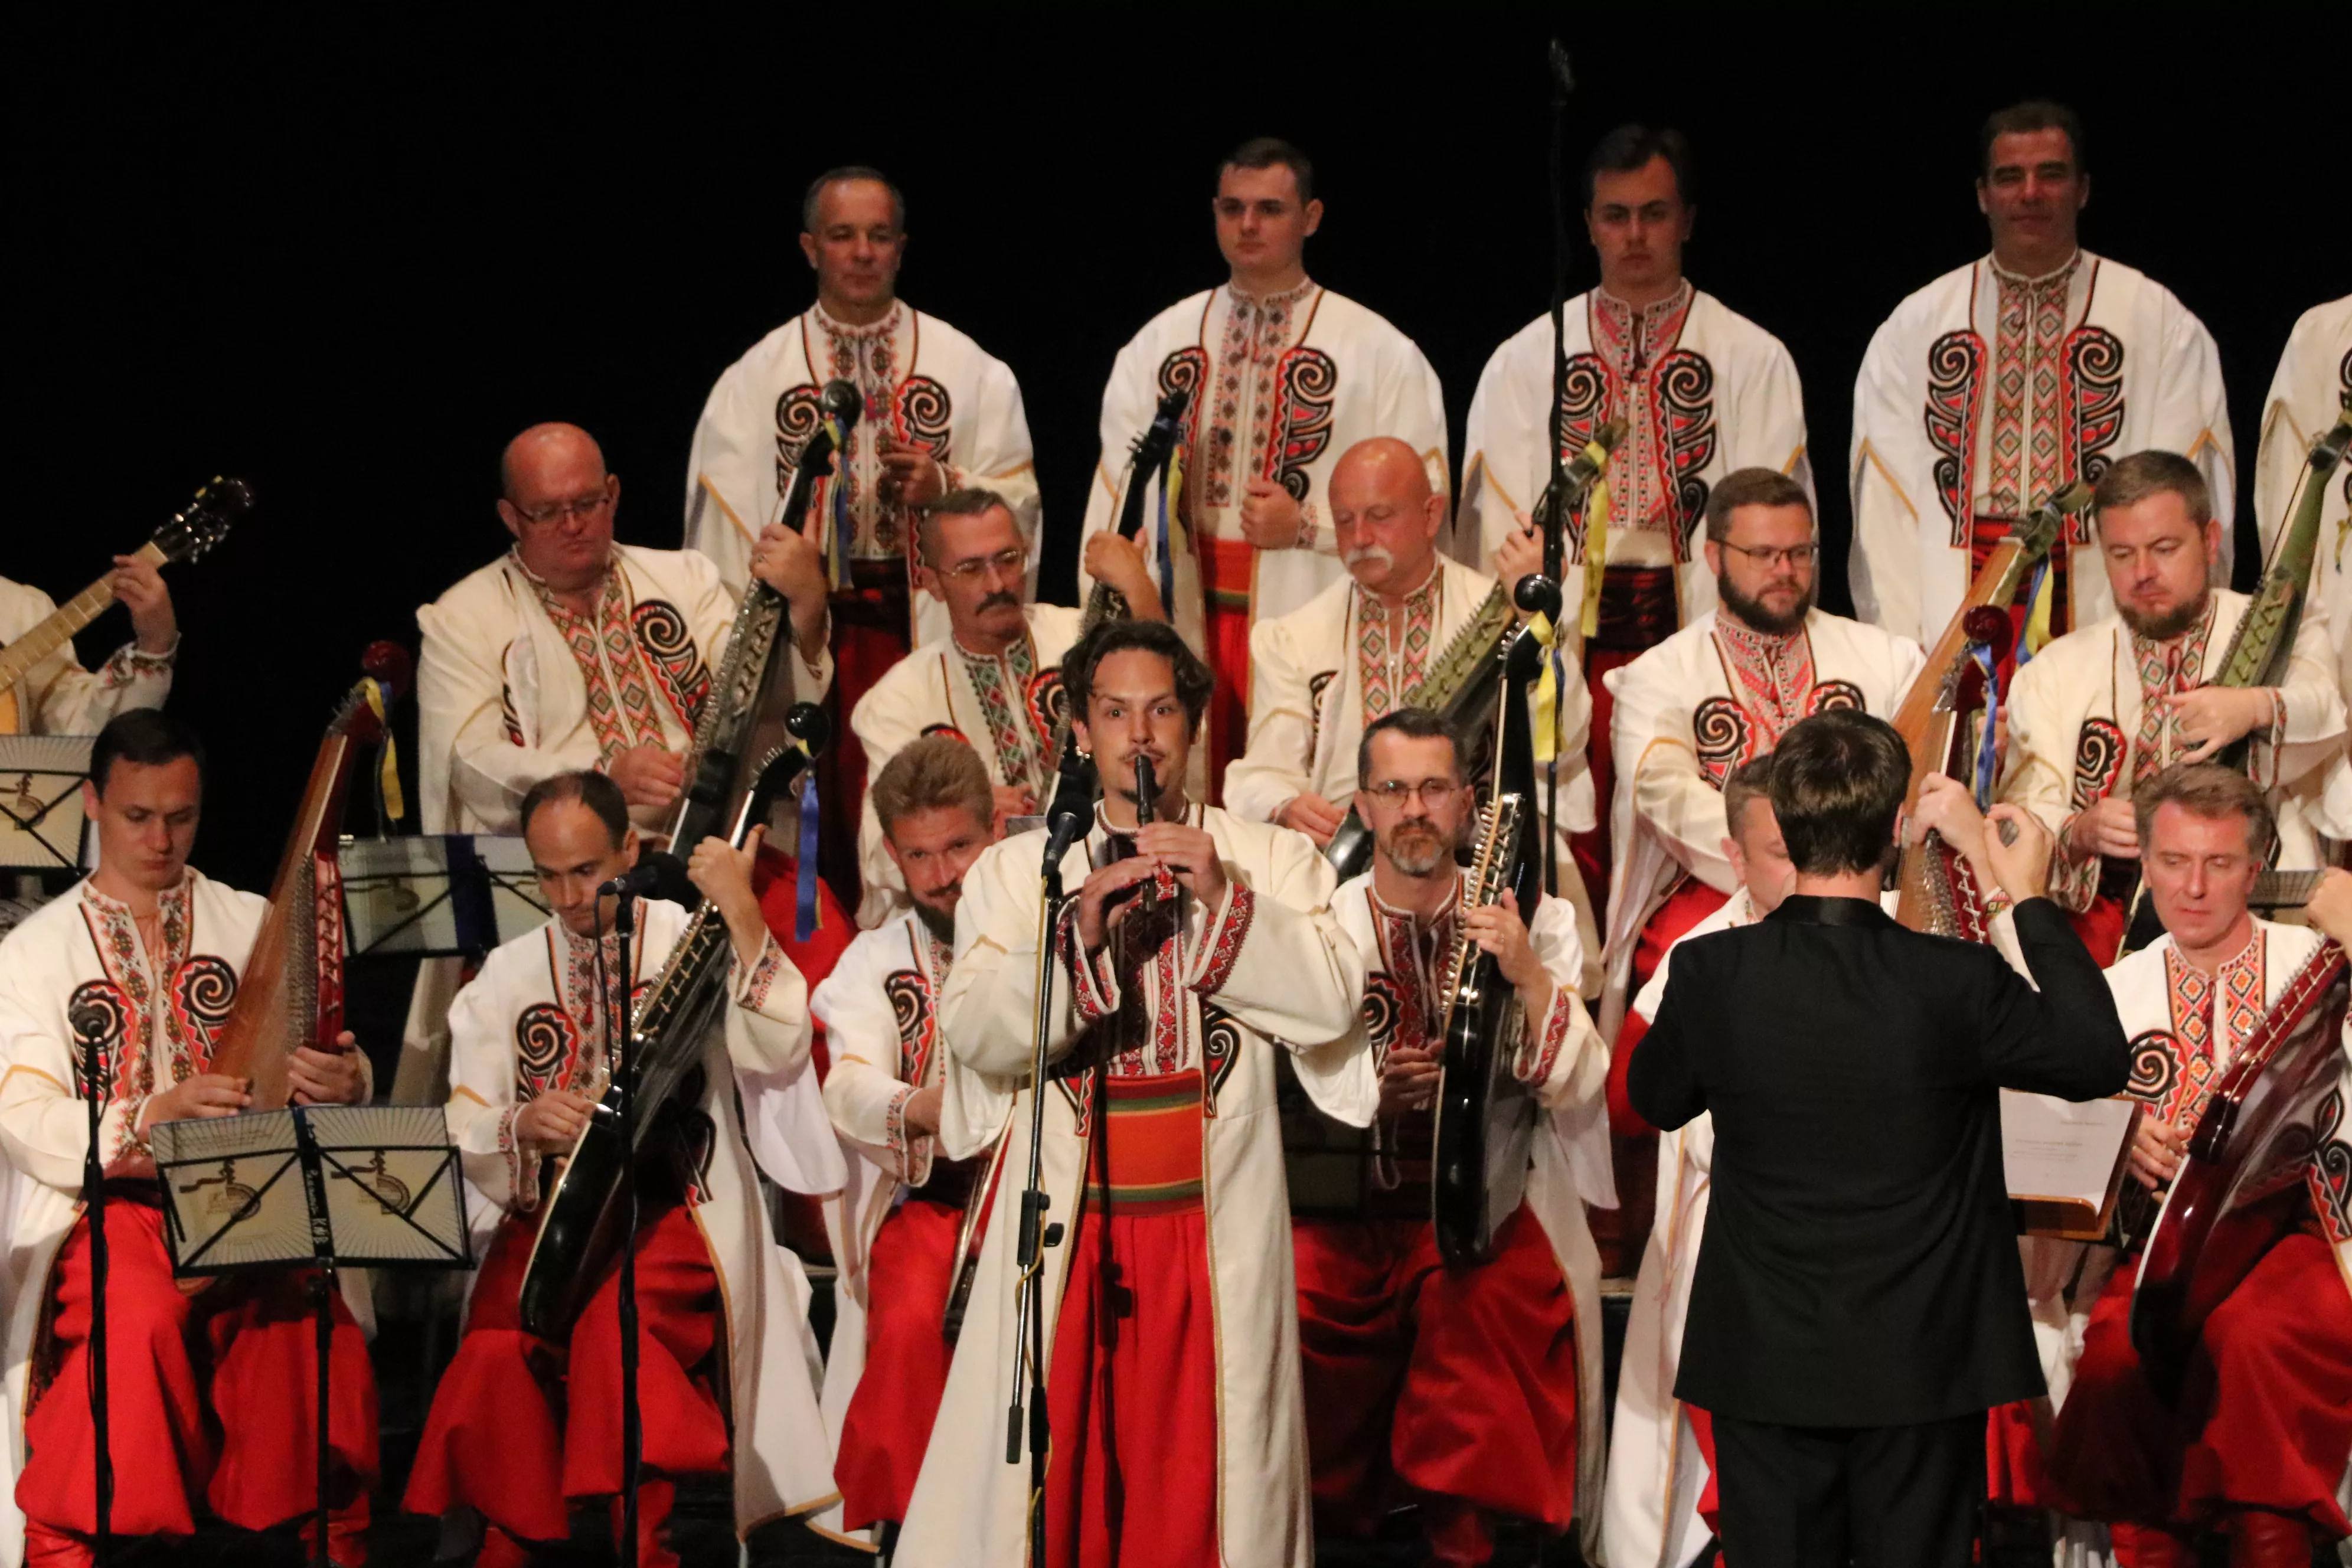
[[993, 451], [44, 1125], [1657, 757], [1128, 406], [1273, 769], [461, 694], [1883, 568], [1500, 444], [481, 1109], [2193, 417], [863, 1092], [728, 471]]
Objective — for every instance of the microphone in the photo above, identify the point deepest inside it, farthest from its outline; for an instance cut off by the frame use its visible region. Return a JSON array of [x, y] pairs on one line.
[[1072, 810], [658, 875], [841, 400]]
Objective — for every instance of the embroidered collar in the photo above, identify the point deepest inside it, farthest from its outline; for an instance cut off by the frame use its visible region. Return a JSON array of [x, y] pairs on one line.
[[1746, 642], [975, 656], [546, 595], [836, 328], [2170, 657], [172, 907], [2057, 277], [1275, 301], [1446, 911], [1648, 319], [1419, 601]]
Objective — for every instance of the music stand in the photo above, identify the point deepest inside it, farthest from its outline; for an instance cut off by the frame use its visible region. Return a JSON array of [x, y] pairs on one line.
[[439, 895], [41, 821], [373, 1186]]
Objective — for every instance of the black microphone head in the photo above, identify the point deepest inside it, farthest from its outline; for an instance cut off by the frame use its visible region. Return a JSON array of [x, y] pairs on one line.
[[841, 401], [806, 723]]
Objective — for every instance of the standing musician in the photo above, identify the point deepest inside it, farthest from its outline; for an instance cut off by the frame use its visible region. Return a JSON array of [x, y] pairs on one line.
[[2009, 380], [1196, 946], [1284, 375], [904, 1205], [1399, 607], [59, 697], [521, 1427], [1478, 1387], [994, 681], [213, 1396], [2258, 1449], [2102, 710], [1703, 391], [1858, 1304]]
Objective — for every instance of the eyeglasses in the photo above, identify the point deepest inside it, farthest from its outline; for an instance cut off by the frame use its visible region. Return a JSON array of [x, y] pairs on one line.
[[582, 507], [1004, 562], [1394, 793], [1799, 556]]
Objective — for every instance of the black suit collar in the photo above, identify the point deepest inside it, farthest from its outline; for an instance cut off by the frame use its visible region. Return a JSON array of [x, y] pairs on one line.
[[1807, 909]]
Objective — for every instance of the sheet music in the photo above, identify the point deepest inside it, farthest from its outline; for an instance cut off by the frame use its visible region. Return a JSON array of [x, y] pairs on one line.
[[392, 1191], [234, 1190], [2054, 1150]]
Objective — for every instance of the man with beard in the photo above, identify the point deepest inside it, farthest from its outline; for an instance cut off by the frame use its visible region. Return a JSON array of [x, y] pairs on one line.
[[896, 1228], [995, 682], [2102, 710], [1362, 647], [1713, 696], [1475, 1390]]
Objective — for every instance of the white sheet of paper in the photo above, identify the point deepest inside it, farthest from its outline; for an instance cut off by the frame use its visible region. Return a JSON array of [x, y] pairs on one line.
[[2054, 1148]]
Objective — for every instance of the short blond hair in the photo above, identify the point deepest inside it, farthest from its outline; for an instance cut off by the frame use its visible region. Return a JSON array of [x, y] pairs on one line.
[[929, 772], [2212, 791]]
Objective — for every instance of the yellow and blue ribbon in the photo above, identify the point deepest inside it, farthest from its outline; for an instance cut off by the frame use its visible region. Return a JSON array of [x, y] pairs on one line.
[[837, 555], [2034, 635], [388, 757], [1549, 684], [1596, 540], [1986, 757]]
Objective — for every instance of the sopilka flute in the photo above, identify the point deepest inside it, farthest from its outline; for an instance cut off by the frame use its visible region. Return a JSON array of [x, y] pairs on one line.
[[1147, 792]]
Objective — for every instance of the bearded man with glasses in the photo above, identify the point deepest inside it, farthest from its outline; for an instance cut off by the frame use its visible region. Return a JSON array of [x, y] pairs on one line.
[[994, 682]]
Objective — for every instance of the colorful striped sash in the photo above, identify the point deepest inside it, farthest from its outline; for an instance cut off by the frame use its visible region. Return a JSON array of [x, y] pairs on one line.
[[1226, 565], [1146, 1157]]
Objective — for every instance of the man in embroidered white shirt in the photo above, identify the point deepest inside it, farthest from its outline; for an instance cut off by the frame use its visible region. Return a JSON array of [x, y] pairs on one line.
[[2006, 380], [1284, 375], [58, 696]]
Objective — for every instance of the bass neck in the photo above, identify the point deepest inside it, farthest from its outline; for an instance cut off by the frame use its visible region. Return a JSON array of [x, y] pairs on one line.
[[17, 659]]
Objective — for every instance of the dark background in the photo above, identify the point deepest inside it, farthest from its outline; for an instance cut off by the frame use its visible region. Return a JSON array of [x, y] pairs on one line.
[[347, 261]]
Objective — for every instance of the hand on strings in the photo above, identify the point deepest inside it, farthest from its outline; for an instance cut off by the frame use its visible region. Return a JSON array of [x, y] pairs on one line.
[[1270, 518], [1408, 1079], [2157, 1150], [920, 1113], [1119, 563], [2330, 909], [2106, 827], [2210, 717], [140, 588], [722, 874], [649, 776], [1011, 800], [1502, 935], [1190, 853], [1311, 814], [791, 561], [1107, 897], [2020, 862], [552, 1122], [911, 475], [326, 1078], [206, 1095], [1520, 554]]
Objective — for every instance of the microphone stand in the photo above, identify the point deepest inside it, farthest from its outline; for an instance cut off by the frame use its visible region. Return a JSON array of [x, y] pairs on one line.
[[1554, 510], [616, 1047], [93, 1181]]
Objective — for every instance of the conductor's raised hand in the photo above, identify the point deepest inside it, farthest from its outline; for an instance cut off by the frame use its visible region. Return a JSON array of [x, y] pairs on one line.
[[1190, 855], [1107, 895], [552, 1122], [326, 1078], [2019, 860], [208, 1094]]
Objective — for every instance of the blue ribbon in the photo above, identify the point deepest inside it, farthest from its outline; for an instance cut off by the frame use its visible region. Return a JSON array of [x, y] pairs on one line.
[[844, 529], [1985, 753], [2022, 655], [804, 874]]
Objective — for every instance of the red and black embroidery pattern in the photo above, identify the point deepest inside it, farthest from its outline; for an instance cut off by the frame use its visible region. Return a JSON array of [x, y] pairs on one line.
[[678, 664], [797, 414], [98, 1016], [1220, 1047], [1637, 369], [1186, 371], [1049, 704], [2330, 1176], [1225, 950], [2094, 414], [1835, 696], [1955, 376], [910, 1008], [2166, 1075], [202, 991], [1686, 417], [1384, 1008], [1306, 384], [1583, 405], [2098, 761], [925, 416], [1722, 738], [546, 1043]]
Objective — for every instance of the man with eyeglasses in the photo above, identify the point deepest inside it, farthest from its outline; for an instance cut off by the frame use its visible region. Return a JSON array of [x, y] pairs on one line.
[[1713, 696], [2102, 710], [2006, 380], [994, 682], [1363, 646], [1474, 1391]]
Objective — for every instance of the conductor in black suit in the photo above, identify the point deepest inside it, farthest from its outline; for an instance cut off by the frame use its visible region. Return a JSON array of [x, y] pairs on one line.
[[1858, 1305]]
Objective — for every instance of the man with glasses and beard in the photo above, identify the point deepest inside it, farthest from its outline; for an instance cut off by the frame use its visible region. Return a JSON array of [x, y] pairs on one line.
[[895, 1225], [2102, 710], [1715, 695], [1474, 1390], [995, 682]]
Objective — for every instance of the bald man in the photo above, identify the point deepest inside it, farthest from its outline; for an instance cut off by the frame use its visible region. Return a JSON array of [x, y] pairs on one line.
[[1364, 647]]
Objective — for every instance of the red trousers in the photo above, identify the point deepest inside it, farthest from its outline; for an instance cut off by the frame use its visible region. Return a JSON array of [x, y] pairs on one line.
[[1227, 569], [250, 1343], [872, 630], [1458, 1383], [2265, 1421], [519, 1425], [889, 1423], [1132, 1479]]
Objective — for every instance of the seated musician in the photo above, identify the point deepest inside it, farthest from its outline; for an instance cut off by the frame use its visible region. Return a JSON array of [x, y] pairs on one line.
[[1363, 646], [2258, 1449], [520, 1427], [1474, 1390], [905, 1206], [212, 1395], [2102, 710], [1199, 947], [1716, 693], [59, 697], [995, 682]]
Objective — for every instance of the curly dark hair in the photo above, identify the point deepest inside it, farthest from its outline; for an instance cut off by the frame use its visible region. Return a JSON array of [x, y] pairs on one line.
[[1193, 680]]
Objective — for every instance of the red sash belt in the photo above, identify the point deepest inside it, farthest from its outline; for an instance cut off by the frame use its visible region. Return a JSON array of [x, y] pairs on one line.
[[1225, 568], [1145, 1159], [1639, 608]]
